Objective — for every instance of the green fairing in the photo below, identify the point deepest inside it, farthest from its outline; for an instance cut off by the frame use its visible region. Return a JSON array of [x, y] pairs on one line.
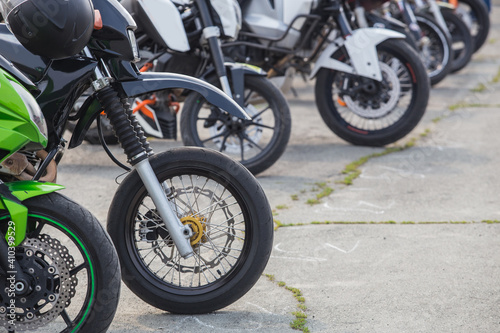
[[23, 190], [16, 129], [19, 215]]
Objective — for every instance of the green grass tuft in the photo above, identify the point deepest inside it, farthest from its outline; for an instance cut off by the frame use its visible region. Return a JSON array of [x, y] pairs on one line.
[[479, 88]]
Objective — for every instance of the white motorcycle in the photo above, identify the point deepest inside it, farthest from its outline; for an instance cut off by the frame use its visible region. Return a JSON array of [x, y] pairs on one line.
[[371, 87]]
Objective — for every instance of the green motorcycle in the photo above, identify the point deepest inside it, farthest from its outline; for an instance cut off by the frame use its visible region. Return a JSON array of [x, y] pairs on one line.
[[59, 271]]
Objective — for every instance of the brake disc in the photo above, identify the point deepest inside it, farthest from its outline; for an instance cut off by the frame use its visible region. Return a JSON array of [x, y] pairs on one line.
[[47, 264], [383, 108]]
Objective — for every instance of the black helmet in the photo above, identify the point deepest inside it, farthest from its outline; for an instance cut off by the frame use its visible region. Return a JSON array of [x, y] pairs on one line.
[[51, 28]]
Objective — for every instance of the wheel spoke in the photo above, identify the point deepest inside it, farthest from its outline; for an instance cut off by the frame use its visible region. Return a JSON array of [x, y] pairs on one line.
[[261, 112], [223, 145], [214, 137], [78, 268], [66, 318], [242, 148], [35, 233], [262, 125], [208, 210], [252, 142], [187, 196], [247, 97]]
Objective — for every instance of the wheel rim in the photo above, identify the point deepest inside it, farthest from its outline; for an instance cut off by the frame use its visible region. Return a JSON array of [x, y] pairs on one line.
[[433, 52], [220, 241], [363, 119], [61, 279]]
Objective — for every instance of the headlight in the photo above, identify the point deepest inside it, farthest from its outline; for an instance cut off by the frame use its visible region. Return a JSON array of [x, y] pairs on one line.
[[133, 44], [34, 110]]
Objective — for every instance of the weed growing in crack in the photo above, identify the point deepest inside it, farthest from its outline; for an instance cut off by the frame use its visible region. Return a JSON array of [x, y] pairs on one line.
[[300, 317]]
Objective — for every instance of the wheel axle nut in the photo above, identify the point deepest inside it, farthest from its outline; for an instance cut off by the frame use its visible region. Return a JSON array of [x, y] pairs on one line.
[[20, 286]]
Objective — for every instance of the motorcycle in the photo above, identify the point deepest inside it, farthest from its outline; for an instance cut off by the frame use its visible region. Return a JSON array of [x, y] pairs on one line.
[[432, 43], [192, 228], [457, 31], [441, 37], [475, 14], [189, 43], [59, 271], [371, 87]]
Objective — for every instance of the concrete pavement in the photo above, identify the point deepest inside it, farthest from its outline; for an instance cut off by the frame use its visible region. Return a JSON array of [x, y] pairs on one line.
[[416, 268]]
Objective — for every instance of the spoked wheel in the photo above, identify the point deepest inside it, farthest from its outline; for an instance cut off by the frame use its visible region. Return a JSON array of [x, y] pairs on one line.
[[461, 38], [232, 232], [257, 143], [435, 49], [72, 270], [370, 113]]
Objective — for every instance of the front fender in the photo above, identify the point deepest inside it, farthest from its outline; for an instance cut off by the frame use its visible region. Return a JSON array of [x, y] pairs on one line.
[[150, 82], [237, 72], [361, 48], [11, 197]]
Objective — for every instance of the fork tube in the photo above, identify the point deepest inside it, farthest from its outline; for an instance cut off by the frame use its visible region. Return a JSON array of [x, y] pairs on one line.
[[410, 19], [359, 11], [181, 237], [343, 23], [212, 34], [438, 16]]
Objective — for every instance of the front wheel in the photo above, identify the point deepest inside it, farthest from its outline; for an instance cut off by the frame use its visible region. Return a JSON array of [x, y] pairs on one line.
[[435, 48], [461, 38], [475, 14], [233, 232], [256, 143], [72, 269], [370, 113]]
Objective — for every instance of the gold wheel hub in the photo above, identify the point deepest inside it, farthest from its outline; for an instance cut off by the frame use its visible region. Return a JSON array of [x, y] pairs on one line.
[[198, 225]]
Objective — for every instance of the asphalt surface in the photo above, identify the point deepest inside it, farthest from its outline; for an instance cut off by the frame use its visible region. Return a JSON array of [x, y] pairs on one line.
[[405, 248]]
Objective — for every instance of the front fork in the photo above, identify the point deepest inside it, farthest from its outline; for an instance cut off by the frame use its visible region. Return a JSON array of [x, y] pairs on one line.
[[136, 147], [211, 33]]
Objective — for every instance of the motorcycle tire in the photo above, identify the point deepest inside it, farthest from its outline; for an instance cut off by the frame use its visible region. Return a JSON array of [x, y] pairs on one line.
[[233, 232], [355, 117], [480, 20], [461, 40], [257, 143], [439, 61], [86, 280]]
